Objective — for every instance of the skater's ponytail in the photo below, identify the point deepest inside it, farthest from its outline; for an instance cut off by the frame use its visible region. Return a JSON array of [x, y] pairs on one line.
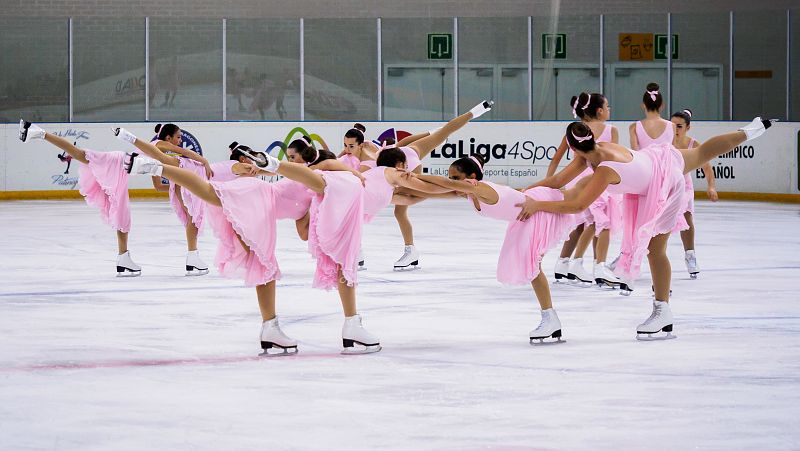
[[390, 157], [237, 151], [652, 98], [356, 132], [580, 137], [309, 153], [472, 164], [686, 115], [166, 130], [586, 105]]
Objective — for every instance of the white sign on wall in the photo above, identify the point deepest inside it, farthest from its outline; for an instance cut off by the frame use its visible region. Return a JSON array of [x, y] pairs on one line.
[[518, 153]]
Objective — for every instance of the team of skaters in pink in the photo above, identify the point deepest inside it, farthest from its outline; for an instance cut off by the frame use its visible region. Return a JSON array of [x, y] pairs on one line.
[[642, 193]]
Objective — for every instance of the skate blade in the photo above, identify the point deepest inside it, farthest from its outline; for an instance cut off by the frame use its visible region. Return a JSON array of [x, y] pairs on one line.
[[655, 336], [197, 272], [362, 267], [406, 268], [129, 274], [550, 341], [361, 350], [693, 275], [278, 351]]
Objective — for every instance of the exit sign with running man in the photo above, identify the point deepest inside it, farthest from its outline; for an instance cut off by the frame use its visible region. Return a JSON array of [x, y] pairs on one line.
[[440, 46]]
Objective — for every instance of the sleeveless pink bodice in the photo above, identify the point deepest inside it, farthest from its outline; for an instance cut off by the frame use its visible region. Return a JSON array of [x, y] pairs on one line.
[[223, 171], [505, 209], [377, 191], [634, 176], [292, 199], [666, 137], [604, 137]]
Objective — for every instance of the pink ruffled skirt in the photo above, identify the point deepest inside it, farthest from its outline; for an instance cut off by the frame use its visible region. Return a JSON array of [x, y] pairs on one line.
[[194, 205], [104, 184]]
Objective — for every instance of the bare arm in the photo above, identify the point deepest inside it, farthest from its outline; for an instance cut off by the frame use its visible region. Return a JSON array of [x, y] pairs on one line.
[[410, 180], [578, 201], [614, 135], [562, 149], [169, 147], [564, 176], [336, 165], [634, 140], [711, 181], [159, 185]]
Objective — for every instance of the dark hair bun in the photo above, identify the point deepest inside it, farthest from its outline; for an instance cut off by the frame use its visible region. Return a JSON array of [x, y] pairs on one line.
[[158, 128], [652, 86], [233, 145], [360, 127]]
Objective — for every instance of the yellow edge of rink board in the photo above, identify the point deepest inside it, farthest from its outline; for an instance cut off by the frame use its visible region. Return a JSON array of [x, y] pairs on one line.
[[73, 194], [761, 197], [151, 194]]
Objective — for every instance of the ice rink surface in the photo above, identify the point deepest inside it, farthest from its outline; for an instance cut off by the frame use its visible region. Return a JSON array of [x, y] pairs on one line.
[[93, 362]]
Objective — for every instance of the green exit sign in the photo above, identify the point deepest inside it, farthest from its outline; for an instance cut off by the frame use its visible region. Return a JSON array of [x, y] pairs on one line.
[[554, 46], [440, 46], [661, 46]]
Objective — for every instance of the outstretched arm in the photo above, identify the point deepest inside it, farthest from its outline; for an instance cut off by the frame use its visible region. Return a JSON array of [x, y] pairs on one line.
[[562, 149], [564, 176], [576, 200], [634, 140], [336, 165], [169, 147]]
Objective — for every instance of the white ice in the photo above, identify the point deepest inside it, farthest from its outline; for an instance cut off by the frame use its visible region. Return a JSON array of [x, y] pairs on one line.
[[89, 361]]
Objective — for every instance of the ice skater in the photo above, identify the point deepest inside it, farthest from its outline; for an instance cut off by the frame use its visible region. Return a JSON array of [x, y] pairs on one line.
[[655, 196], [103, 184], [188, 208], [603, 216], [525, 242], [682, 120]]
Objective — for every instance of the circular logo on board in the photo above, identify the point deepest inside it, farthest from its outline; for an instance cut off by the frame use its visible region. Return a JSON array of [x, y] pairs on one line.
[[188, 141]]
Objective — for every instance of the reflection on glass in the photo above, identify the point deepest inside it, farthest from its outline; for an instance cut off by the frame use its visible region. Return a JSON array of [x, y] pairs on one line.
[[700, 64], [493, 64], [414, 86], [566, 62], [632, 61], [263, 58], [109, 79], [34, 69], [185, 69], [341, 78], [759, 64]]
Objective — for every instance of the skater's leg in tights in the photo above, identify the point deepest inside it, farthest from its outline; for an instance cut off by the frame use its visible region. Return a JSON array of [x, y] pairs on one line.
[[348, 296], [122, 242], [714, 147], [687, 236], [601, 246], [67, 146], [569, 245], [659, 266], [301, 173], [266, 300], [401, 215], [191, 229], [154, 152], [542, 290], [426, 145], [193, 182], [584, 240]]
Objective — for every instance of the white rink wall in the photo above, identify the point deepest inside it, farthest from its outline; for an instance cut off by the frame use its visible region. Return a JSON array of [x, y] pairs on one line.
[[519, 152]]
